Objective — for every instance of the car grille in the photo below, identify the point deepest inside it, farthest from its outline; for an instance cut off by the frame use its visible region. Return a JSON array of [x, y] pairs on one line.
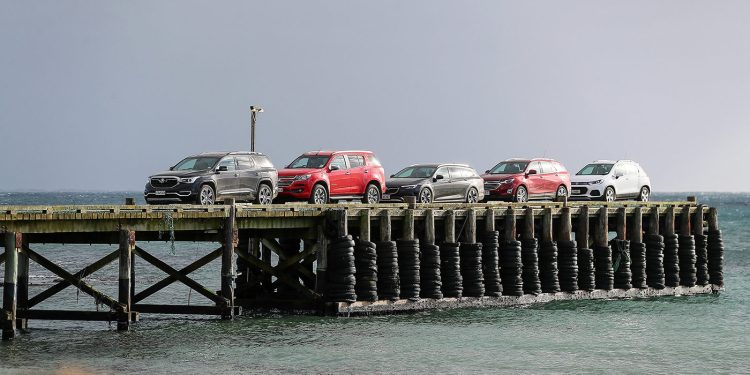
[[284, 182], [392, 190], [164, 182], [579, 190], [491, 185], [579, 183]]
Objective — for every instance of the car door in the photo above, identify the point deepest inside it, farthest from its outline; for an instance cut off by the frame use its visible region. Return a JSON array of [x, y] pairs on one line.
[[441, 187], [359, 173], [631, 179], [248, 176], [227, 182], [459, 183], [534, 182], [340, 179]]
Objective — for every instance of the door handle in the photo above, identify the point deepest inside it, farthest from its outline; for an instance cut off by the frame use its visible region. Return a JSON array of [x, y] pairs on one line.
[[367, 171], [348, 173], [236, 175]]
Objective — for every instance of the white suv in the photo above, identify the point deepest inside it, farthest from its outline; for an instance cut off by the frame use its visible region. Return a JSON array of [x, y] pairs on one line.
[[610, 180]]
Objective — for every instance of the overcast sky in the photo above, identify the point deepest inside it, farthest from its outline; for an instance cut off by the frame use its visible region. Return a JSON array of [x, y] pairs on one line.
[[97, 95]]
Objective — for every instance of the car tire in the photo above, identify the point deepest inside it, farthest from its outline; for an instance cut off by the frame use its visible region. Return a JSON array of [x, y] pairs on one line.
[[645, 194], [609, 194], [265, 194], [372, 194], [522, 195], [561, 192], [206, 195], [472, 196], [425, 196], [319, 194]]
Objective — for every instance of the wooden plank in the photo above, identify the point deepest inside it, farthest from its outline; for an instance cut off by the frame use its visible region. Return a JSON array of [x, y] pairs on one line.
[[187, 310], [103, 316]]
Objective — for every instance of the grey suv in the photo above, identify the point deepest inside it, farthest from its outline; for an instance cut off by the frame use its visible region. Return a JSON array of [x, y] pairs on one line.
[[435, 183], [211, 177]]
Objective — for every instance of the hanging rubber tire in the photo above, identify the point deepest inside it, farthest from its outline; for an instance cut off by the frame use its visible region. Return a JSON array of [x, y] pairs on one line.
[[644, 195], [522, 195], [319, 194], [425, 195], [207, 195], [609, 194], [472, 196], [265, 194], [372, 194]]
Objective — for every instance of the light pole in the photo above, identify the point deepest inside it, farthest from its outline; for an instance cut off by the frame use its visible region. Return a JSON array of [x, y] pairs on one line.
[[254, 110]]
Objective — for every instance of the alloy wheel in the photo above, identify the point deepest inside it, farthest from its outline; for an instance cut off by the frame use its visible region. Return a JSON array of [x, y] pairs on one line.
[[319, 195], [609, 195], [264, 194], [472, 196], [521, 195], [644, 194], [373, 194], [425, 196], [207, 195], [562, 191]]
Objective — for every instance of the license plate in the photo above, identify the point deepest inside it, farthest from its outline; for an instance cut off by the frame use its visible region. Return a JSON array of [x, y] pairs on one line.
[[279, 189], [386, 196], [161, 192], [576, 191], [486, 192]]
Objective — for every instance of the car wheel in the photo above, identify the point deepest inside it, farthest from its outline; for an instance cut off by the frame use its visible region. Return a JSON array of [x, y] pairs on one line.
[[562, 191], [265, 194], [319, 195], [372, 194], [522, 195], [207, 195], [425, 195], [472, 196], [645, 193], [609, 194]]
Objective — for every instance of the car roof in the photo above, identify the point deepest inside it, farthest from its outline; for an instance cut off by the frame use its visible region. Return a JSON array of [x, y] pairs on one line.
[[225, 153], [329, 152], [438, 165], [531, 159], [612, 161]]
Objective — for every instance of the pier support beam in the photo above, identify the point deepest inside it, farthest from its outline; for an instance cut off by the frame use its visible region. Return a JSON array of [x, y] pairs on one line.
[[22, 323], [227, 270], [125, 295], [12, 245]]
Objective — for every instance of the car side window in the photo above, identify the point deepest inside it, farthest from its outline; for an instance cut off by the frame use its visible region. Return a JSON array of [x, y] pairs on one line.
[[356, 161], [244, 162], [262, 161], [372, 160], [455, 173], [560, 167], [618, 170], [227, 162], [339, 161], [470, 173], [444, 172], [535, 166]]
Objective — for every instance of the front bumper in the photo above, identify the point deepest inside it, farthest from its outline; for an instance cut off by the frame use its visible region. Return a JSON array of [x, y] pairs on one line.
[[500, 193], [585, 192], [179, 193], [397, 195], [295, 190]]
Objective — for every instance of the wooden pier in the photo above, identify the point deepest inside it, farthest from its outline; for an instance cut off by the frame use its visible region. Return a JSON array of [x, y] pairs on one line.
[[345, 259]]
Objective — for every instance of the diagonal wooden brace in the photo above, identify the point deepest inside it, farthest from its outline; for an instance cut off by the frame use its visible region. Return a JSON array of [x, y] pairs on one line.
[[181, 278], [77, 282], [88, 270], [276, 248], [163, 283], [286, 279]]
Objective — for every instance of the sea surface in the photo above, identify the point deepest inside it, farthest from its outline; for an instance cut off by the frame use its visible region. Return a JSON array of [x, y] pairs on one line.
[[697, 335]]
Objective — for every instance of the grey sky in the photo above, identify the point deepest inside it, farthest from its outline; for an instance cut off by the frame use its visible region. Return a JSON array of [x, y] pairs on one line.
[[96, 95]]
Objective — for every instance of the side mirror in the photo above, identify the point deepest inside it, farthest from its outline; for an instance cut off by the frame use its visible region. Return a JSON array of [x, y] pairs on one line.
[[438, 177], [392, 175], [487, 171], [171, 168], [531, 171], [334, 168], [222, 168]]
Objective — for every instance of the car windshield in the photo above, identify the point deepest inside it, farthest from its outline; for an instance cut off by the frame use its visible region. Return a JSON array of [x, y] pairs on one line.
[[416, 171], [197, 163], [307, 161], [595, 170], [509, 167]]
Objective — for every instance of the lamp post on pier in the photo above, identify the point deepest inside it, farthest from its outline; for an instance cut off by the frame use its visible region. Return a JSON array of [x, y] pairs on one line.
[[254, 110]]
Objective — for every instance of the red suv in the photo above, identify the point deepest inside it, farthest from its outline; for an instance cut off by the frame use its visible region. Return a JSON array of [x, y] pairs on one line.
[[323, 176], [520, 180]]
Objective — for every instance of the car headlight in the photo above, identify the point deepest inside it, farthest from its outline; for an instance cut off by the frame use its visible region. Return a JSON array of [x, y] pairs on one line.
[[148, 181], [408, 186], [506, 181], [188, 180], [301, 177], [597, 182]]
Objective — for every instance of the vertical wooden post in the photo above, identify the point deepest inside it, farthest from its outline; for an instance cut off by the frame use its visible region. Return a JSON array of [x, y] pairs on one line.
[[227, 270], [621, 223], [340, 220], [322, 261], [489, 220], [698, 220], [9, 287], [130, 201], [602, 229], [450, 226], [582, 234], [510, 225], [471, 226], [364, 225], [265, 256], [23, 283], [385, 226], [566, 225], [546, 234], [528, 223], [685, 221], [408, 229], [669, 221], [429, 227], [127, 245], [653, 221], [636, 232], [713, 219]]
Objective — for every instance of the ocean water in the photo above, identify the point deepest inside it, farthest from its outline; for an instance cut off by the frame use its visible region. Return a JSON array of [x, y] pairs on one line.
[[699, 334]]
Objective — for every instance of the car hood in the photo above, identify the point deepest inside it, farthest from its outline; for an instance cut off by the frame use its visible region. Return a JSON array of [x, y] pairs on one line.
[[398, 182], [190, 173], [500, 177], [289, 172], [587, 178]]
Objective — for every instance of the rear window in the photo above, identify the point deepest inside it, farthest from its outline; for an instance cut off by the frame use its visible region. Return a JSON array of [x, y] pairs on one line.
[[372, 160], [356, 161], [263, 161], [560, 167]]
